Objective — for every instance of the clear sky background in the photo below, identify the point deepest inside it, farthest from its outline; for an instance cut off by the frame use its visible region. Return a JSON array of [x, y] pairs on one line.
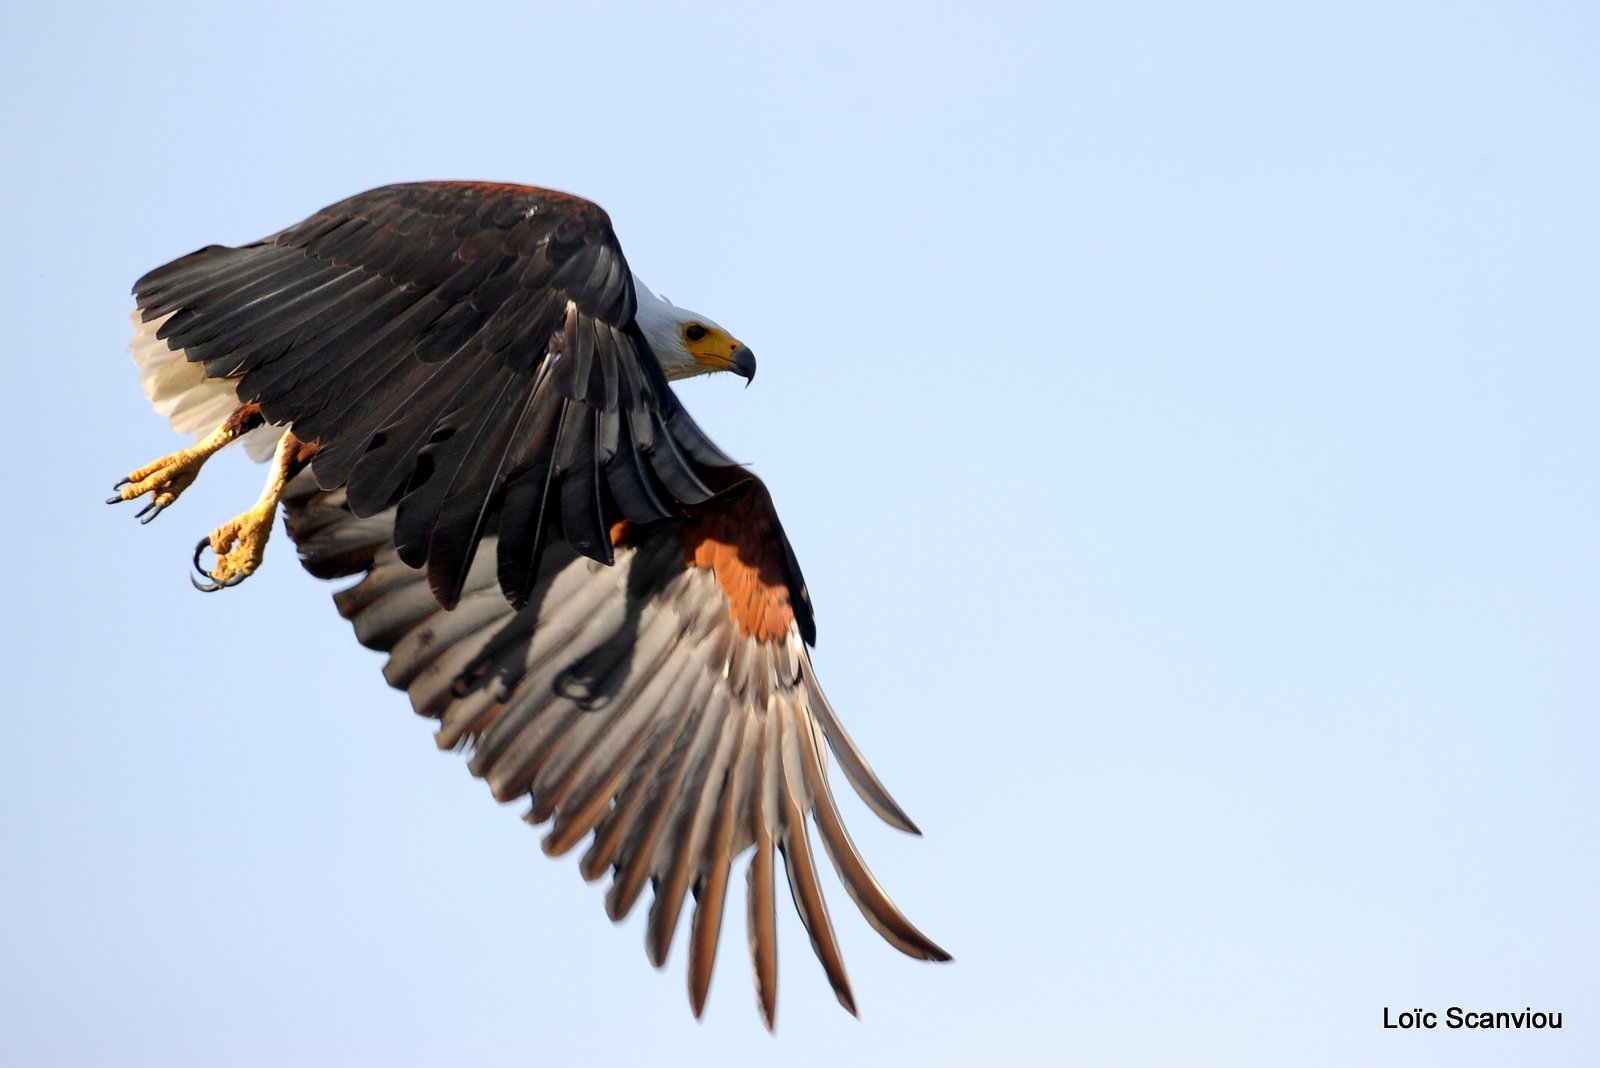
[[1187, 423]]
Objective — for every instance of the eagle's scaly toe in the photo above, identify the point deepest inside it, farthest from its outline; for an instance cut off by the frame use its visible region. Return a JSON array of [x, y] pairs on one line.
[[239, 545]]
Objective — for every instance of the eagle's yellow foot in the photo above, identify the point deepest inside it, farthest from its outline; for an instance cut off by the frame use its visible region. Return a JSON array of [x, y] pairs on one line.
[[241, 542], [164, 480], [239, 546], [169, 476]]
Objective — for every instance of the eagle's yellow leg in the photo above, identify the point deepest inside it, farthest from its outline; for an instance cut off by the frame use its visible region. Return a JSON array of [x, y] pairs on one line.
[[167, 478], [241, 542]]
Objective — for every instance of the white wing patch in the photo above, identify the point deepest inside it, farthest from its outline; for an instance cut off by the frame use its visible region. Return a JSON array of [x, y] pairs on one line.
[[180, 390]]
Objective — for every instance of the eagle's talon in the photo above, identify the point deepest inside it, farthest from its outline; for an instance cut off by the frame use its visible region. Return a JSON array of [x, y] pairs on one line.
[[165, 485], [205, 543], [166, 479], [239, 545], [211, 584], [205, 587]]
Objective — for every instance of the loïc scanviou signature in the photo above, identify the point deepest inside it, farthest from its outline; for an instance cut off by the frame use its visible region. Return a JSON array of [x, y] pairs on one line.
[[1456, 1018]]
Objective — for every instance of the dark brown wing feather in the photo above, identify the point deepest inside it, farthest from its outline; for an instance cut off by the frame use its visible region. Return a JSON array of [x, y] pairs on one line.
[[665, 704], [414, 331]]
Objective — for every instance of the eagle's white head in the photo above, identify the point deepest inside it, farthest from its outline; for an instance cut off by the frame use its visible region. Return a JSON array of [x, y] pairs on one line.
[[688, 344]]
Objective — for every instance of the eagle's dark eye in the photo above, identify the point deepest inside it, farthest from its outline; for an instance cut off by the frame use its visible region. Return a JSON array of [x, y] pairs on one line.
[[695, 332]]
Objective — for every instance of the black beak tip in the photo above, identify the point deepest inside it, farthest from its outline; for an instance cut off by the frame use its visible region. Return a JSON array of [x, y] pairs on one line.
[[744, 364]]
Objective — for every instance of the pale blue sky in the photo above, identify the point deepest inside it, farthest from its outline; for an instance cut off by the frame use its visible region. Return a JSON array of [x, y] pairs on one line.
[[1187, 423]]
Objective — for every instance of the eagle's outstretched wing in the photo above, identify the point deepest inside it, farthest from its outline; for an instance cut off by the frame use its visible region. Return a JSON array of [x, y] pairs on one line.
[[665, 703]]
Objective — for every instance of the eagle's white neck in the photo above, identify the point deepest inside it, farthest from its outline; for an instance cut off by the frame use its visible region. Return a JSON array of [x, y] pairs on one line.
[[662, 324]]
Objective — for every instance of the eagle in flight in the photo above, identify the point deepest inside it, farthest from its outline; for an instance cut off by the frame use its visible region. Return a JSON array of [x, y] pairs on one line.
[[462, 392]]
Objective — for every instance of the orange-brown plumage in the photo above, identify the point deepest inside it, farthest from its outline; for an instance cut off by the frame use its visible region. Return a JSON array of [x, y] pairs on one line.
[[739, 542]]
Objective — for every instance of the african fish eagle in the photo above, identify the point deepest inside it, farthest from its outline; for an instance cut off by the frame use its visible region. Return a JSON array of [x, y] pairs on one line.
[[462, 389]]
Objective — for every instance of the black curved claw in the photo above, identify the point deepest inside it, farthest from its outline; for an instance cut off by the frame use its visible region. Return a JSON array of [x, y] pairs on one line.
[[210, 585], [121, 483], [154, 508], [114, 500]]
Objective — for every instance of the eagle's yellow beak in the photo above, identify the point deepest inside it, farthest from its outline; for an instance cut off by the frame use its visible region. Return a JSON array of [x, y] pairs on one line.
[[716, 350]]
